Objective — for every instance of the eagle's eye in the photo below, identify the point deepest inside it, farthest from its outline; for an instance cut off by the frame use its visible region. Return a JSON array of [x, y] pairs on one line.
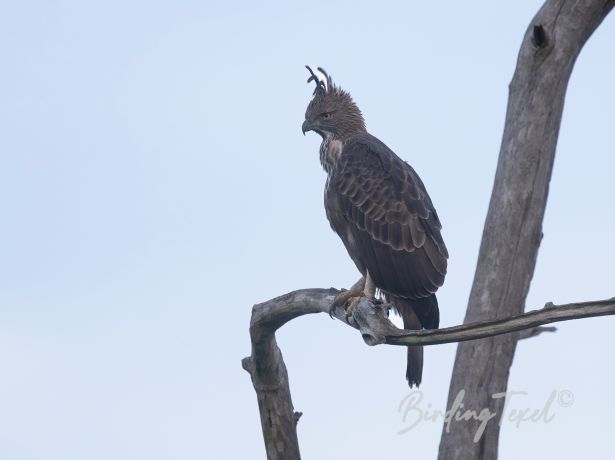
[[327, 116]]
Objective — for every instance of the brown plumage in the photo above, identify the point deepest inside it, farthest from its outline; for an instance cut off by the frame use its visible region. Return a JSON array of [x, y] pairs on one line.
[[379, 207]]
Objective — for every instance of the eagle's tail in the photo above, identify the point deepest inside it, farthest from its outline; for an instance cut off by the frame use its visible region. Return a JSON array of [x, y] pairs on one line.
[[417, 314]]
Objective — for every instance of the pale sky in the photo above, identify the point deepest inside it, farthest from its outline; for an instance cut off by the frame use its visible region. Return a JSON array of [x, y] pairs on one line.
[[155, 184]]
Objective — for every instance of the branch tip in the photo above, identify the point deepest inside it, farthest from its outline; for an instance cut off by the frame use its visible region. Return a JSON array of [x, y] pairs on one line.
[[246, 363], [529, 333]]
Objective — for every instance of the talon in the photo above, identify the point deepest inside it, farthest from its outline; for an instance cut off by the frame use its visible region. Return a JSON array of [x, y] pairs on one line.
[[340, 300], [353, 301], [345, 295]]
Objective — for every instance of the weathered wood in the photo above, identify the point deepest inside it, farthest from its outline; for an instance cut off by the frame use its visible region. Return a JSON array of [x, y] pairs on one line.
[[513, 227], [526, 323], [268, 372]]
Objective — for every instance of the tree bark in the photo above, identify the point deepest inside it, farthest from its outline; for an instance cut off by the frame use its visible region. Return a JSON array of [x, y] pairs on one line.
[[268, 372], [513, 227]]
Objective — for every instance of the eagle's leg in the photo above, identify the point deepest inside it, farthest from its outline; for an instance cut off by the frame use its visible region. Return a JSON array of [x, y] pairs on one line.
[[369, 292], [345, 296], [370, 288], [365, 287]]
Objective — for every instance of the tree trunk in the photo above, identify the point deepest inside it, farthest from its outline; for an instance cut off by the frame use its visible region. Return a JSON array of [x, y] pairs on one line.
[[513, 227]]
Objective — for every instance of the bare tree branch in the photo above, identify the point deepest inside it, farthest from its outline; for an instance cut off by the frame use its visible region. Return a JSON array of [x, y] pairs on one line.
[[268, 372], [513, 227]]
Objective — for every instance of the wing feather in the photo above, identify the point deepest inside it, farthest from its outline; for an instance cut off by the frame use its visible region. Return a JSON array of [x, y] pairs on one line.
[[398, 229]]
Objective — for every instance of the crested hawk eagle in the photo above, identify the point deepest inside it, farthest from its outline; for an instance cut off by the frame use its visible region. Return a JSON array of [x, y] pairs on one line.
[[379, 207]]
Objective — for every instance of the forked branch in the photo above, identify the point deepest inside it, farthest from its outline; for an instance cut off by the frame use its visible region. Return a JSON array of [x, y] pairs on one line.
[[268, 372]]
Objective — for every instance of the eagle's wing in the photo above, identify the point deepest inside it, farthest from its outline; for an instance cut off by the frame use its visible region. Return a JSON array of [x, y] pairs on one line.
[[399, 230]]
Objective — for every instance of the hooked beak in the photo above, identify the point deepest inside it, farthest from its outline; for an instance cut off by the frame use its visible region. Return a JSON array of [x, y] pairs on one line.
[[306, 126]]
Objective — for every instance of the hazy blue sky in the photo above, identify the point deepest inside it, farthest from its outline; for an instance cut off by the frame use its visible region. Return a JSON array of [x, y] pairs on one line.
[[154, 185]]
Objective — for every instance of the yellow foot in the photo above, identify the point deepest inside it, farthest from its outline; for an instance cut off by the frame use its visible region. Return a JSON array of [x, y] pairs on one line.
[[352, 302], [342, 299], [348, 302], [348, 298]]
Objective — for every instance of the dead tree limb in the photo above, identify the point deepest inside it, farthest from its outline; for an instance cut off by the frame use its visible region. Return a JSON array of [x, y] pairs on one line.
[[268, 372], [513, 227]]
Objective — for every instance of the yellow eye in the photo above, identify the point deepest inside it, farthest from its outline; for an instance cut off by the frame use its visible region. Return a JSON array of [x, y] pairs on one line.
[[327, 116]]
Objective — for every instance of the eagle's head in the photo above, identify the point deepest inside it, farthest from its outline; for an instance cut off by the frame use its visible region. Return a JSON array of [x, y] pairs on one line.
[[332, 113]]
